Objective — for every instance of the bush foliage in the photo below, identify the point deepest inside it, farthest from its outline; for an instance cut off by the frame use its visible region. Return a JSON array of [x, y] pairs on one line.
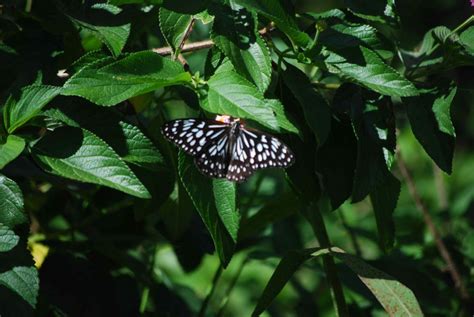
[[100, 214]]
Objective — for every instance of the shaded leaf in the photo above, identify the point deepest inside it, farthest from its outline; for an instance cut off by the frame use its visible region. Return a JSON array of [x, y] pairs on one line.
[[8, 239], [384, 198], [174, 27], [11, 203], [114, 37], [81, 155], [10, 149], [19, 109], [130, 143], [316, 110], [283, 16], [234, 33], [430, 121], [109, 83], [201, 191], [23, 281]]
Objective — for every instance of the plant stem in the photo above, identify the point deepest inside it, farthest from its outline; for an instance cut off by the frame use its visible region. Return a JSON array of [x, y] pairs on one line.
[[215, 279], [442, 249], [314, 217]]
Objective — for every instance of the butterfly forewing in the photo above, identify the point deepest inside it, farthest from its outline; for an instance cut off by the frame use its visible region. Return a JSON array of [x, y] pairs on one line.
[[193, 135]]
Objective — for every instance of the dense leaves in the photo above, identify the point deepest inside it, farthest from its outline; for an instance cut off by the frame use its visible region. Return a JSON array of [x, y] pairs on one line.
[[118, 220]]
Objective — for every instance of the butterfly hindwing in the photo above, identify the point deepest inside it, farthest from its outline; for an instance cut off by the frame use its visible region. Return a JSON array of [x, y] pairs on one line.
[[255, 150], [214, 159]]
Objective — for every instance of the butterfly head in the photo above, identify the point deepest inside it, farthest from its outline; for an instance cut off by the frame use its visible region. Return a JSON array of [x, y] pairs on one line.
[[227, 119]]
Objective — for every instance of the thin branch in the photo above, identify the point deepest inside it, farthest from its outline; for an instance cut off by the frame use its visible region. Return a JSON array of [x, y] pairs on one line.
[[451, 266], [188, 47], [195, 46], [185, 37]]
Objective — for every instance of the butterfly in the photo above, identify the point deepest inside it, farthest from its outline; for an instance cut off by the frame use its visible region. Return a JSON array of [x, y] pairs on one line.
[[225, 148]]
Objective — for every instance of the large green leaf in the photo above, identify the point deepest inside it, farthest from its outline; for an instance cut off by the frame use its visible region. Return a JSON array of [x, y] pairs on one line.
[[130, 143], [430, 121], [234, 34], [23, 281], [81, 155], [396, 298], [174, 27], [133, 75], [201, 190], [362, 65], [282, 15], [231, 94], [11, 203], [8, 239], [225, 196], [315, 108], [19, 109], [10, 149]]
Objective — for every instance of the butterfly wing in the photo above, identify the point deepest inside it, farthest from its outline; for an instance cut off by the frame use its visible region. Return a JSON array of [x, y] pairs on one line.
[[255, 150], [193, 135], [213, 161]]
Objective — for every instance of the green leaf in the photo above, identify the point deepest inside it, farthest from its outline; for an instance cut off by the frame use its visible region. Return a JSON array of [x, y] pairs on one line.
[[174, 27], [114, 37], [384, 199], [11, 149], [19, 109], [8, 239], [285, 270], [235, 35], [283, 16], [316, 111], [467, 39], [133, 75], [364, 66], [224, 196], [430, 121], [23, 281], [233, 95], [127, 140], [11, 203], [396, 298], [81, 155], [201, 191]]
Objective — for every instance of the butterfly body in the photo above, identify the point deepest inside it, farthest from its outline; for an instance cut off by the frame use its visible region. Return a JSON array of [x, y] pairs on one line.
[[225, 148]]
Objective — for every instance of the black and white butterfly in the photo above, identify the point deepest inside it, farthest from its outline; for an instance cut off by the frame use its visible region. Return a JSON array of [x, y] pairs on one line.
[[224, 148]]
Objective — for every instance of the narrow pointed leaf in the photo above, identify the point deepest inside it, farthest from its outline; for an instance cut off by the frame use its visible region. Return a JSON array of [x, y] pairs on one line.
[[201, 191]]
